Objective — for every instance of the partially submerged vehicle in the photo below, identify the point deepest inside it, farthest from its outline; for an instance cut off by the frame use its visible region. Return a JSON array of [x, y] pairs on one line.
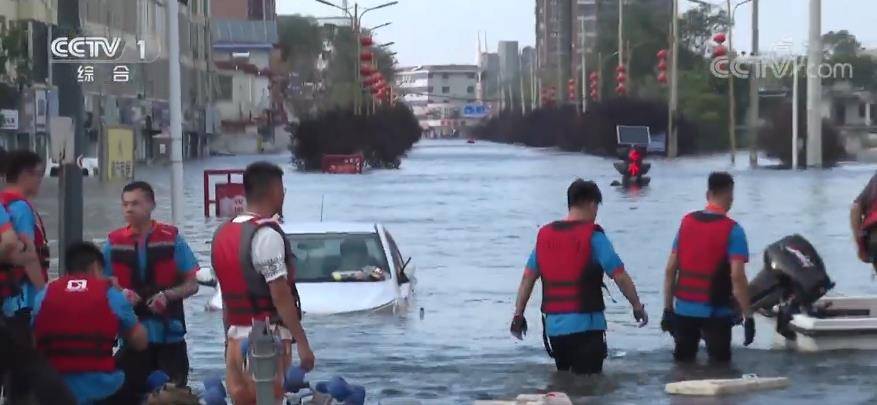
[[342, 268], [789, 295]]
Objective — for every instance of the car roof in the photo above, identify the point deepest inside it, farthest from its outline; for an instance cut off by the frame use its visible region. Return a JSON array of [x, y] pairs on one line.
[[328, 227]]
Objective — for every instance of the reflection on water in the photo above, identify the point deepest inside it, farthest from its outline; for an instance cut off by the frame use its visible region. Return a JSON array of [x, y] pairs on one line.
[[468, 214]]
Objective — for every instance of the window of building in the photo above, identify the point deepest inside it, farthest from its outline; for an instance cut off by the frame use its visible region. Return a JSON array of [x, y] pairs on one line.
[[862, 110], [224, 87], [470, 90], [429, 89], [446, 89]]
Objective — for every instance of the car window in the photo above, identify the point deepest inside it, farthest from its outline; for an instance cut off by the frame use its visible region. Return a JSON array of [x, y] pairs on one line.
[[394, 251], [337, 257]]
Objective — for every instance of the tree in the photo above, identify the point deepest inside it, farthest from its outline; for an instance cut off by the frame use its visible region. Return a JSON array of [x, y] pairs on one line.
[[15, 68], [840, 44]]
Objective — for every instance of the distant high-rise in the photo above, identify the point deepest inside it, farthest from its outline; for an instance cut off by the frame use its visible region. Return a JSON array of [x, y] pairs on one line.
[[528, 59], [488, 65], [510, 71]]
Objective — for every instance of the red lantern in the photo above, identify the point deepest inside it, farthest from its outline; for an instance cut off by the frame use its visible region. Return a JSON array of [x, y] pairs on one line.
[[662, 65], [366, 41], [621, 77], [571, 89], [594, 76], [620, 69], [662, 77], [366, 70], [621, 89], [662, 54], [594, 94], [719, 38], [719, 51], [366, 56]]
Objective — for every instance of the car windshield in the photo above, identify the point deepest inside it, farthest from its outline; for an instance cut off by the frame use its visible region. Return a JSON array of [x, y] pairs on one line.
[[338, 257]]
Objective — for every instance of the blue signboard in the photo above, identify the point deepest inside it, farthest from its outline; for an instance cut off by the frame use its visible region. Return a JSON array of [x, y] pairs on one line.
[[475, 111]]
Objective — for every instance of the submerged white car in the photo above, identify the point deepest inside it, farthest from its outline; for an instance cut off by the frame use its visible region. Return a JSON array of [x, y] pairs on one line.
[[343, 267]]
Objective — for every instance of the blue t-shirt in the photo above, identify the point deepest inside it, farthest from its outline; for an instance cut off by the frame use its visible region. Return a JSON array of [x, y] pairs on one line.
[[91, 387], [738, 249], [566, 324], [23, 223], [186, 264], [5, 222]]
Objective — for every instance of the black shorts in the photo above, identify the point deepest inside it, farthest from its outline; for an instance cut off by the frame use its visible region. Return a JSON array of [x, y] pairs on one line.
[[688, 332], [581, 353], [172, 358]]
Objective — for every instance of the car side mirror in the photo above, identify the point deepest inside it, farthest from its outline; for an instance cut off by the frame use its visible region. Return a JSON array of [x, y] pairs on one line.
[[405, 265]]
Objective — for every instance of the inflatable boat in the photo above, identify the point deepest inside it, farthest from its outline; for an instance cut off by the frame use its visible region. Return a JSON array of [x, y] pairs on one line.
[[789, 297]]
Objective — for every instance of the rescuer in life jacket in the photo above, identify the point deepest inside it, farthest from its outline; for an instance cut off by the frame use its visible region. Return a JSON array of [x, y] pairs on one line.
[[704, 277], [571, 257], [253, 262], [77, 319], [19, 283], [155, 268], [863, 220]]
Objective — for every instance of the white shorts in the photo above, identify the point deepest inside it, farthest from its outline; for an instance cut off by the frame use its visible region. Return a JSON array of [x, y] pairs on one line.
[[242, 332]]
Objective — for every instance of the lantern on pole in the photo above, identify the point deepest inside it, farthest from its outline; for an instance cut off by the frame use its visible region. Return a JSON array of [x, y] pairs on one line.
[[571, 90], [662, 66], [594, 82], [366, 69], [366, 56], [621, 80]]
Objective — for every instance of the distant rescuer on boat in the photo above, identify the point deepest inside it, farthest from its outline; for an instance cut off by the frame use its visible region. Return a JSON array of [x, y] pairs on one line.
[[253, 262], [155, 268], [863, 221], [705, 274], [570, 258]]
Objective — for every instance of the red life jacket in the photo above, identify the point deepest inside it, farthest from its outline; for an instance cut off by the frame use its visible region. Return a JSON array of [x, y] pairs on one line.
[[12, 276], [571, 280], [161, 271], [76, 327], [245, 293], [704, 273]]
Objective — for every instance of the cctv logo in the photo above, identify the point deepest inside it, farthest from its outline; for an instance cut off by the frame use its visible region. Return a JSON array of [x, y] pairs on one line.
[[87, 48], [77, 285]]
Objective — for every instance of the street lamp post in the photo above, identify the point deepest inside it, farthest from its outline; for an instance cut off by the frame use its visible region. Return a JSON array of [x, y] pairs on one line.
[[356, 23]]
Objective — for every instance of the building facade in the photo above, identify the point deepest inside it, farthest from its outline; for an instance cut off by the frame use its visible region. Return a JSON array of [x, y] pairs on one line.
[[248, 105], [138, 99], [437, 95], [488, 68]]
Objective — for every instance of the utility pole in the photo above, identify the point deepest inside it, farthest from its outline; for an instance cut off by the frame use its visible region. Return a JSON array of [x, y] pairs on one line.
[[672, 140], [357, 86], [753, 91], [621, 32], [814, 87], [732, 107], [795, 116], [559, 69], [176, 110], [584, 84], [70, 105]]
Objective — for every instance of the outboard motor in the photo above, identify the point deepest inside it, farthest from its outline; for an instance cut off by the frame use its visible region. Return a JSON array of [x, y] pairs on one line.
[[793, 278]]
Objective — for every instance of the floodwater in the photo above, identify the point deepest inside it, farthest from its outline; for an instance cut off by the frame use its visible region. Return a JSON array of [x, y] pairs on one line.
[[468, 215]]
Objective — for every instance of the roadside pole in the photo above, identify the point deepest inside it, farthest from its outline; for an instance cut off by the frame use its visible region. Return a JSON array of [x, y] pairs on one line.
[[70, 104]]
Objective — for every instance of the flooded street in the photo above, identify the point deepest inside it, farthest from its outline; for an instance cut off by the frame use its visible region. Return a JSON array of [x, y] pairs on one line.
[[468, 215]]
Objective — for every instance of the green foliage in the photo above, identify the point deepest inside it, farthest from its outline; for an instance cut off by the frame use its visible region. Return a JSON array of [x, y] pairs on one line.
[[302, 41], [15, 67]]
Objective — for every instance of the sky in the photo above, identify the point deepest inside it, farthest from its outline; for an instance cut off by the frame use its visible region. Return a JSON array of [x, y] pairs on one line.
[[446, 31]]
